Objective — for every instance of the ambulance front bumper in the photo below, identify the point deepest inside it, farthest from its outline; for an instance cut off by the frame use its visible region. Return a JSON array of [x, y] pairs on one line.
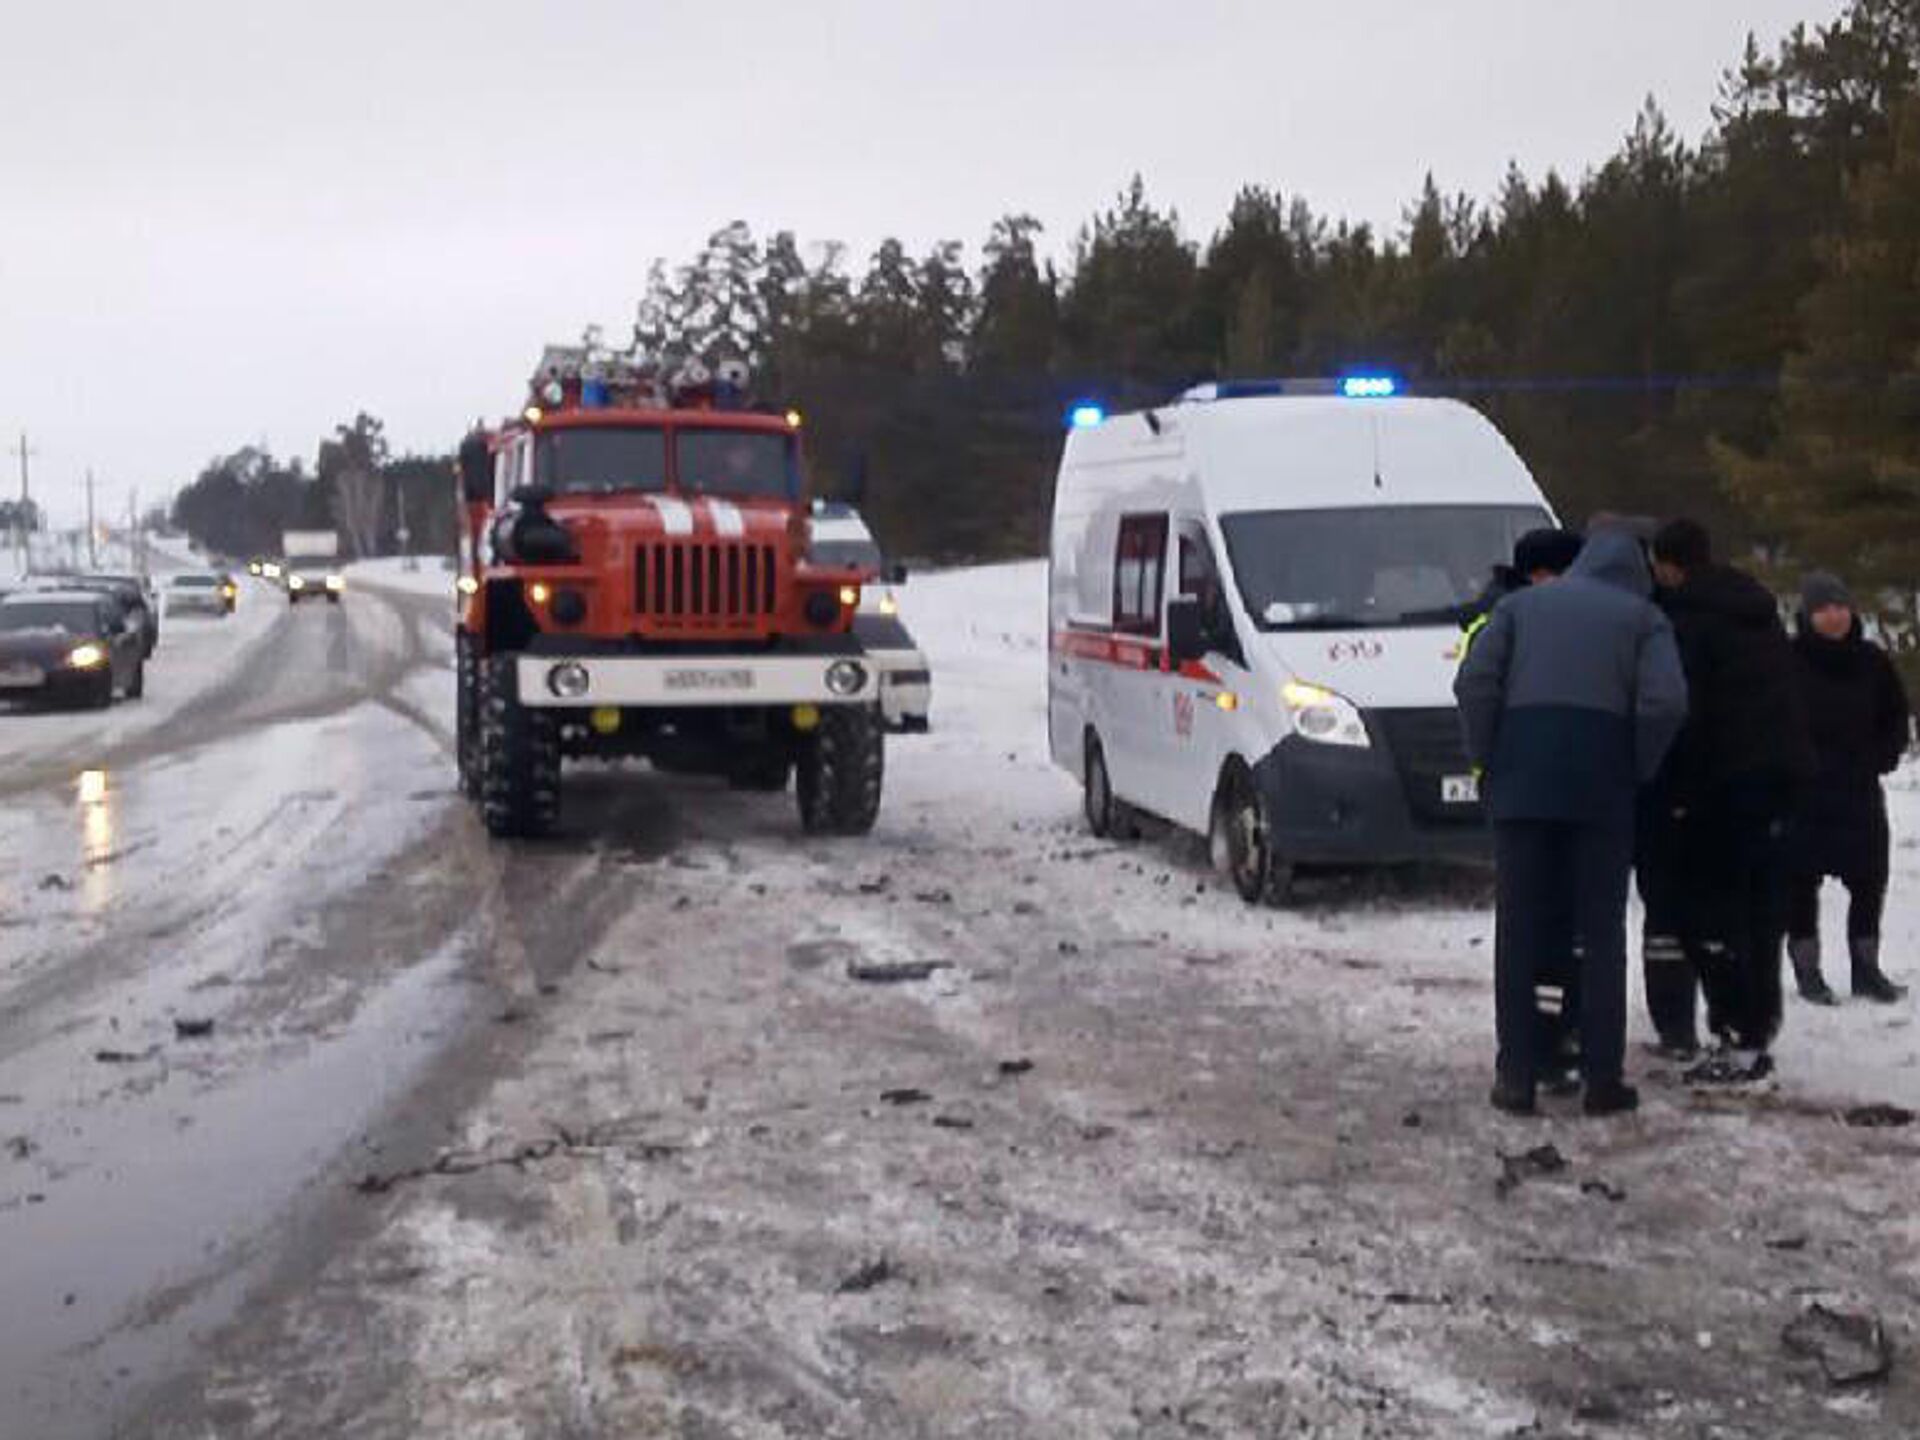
[[590, 681], [1335, 805]]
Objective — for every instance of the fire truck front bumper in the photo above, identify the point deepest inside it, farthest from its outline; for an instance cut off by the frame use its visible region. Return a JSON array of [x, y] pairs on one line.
[[589, 681]]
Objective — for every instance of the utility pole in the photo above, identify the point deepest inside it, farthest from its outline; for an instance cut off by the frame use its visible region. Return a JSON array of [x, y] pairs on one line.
[[20, 530], [93, 558]]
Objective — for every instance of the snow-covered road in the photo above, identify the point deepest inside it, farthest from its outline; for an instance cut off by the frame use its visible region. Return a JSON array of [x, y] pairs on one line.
[[638, 1156]]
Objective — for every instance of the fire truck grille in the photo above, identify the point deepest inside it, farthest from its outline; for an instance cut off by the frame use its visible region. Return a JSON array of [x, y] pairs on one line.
[[698, 581]]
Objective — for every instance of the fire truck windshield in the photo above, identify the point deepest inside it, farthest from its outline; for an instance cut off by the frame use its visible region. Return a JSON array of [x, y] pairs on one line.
[[737, 462], [601, 460]]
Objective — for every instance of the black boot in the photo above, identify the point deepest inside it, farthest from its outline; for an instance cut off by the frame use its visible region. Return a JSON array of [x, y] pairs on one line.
[[1804, 951], [1869, 981], [1512, 1096], [1610, 1097]]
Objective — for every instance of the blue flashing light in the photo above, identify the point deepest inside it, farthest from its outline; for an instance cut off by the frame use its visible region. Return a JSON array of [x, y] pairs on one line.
[[1085, 417], [1369, 387]]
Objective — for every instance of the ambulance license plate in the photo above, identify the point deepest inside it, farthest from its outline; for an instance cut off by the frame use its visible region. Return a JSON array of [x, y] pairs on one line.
[[1460, 789], [20, 677]]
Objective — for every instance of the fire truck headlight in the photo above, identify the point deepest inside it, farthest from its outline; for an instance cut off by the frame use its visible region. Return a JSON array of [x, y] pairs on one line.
[[569, 681], [569, 607], [822, 608], [846, 677]]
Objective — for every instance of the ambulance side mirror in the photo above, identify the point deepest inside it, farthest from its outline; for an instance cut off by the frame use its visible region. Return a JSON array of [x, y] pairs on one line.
[[1186, 631]]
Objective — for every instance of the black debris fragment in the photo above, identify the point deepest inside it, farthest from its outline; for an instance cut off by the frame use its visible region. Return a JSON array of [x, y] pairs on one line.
[[894, 972], [601, 967], [20, 1147], [1850, 1347], [1129, 1298], [905, 1095], [1411, 1120], [1605, 1189], [870, 1276], [953, 1122], [1787, 1242], [122, 1057], [56, 882], [934, 897], [1016, 1067], [1516, 1170], [1878, 1116], [190, 1029]]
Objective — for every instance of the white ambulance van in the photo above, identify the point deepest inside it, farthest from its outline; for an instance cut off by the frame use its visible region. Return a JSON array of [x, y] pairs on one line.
[[1255, 597]]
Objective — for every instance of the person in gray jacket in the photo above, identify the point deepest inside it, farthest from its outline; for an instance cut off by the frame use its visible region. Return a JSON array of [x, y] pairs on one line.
[[1570, 697]]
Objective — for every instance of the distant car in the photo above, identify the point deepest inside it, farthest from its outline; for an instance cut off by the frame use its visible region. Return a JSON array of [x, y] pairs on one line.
[[72, 646], [271, 569], [308, 577], [841, 537], [136, 593], [199, 592]]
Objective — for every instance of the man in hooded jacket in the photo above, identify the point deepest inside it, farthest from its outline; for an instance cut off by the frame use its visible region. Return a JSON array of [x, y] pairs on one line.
[[1570, 697], [1730, 785]]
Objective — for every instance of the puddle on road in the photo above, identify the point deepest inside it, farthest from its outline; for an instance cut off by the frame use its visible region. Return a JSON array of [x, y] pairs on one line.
[[143, 1242]]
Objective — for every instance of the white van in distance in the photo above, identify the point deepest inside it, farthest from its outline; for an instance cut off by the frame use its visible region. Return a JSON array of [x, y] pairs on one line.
[[1255, 597]]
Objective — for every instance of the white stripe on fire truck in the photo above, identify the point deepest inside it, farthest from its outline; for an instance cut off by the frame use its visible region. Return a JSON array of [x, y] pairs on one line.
[[727, 519], [676, 516]]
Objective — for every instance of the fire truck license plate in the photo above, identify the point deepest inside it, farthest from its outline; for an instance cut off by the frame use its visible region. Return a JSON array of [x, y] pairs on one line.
[[1459, 789], [709, 680], [17, 677]]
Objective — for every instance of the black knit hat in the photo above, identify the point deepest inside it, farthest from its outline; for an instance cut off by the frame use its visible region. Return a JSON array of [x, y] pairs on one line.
[[1550, 550], [1819, 590]]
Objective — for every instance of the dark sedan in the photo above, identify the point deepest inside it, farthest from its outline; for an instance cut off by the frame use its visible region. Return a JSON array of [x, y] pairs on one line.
[[135, 594], [72, 646]]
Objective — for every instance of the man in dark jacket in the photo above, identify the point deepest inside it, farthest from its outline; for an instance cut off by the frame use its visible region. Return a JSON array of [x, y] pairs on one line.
[[1570, 697], [1729, 786], [1860, 723]]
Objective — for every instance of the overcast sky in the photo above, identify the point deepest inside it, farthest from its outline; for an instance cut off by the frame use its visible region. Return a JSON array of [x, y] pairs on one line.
[[224, 221]]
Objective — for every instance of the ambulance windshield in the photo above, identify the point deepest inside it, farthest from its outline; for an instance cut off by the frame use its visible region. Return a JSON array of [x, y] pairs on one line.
[[1370, 568]]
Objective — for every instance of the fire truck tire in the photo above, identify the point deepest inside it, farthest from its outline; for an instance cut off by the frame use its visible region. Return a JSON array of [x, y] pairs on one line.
[[840, 772], [519, 757], [466, 712]]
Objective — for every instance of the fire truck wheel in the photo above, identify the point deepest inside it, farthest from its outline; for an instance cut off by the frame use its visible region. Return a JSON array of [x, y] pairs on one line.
[[519, 757], [1242, 841], [840, 772], [466, 708]]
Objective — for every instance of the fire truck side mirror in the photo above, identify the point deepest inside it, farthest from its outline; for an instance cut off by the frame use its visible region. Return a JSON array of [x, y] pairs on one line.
[[476, 471], [531, 497]]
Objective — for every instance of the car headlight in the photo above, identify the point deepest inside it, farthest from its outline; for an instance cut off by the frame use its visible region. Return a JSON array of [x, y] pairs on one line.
[[889, 605], [1321, 715], [336, 582], [87, 657], [296, 583], [846, 677]]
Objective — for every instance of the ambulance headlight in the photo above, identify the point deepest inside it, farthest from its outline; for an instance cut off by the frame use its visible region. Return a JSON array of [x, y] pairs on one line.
[[1323, 716], [568, 681], [846, 677]]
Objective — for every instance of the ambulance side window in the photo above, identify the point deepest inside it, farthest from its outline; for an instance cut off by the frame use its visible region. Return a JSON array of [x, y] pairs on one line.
[[1200, 580], [1139, 567]]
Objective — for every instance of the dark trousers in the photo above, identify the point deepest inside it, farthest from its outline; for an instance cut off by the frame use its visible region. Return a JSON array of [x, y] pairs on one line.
[[1669, 939], [1858, 860], [1740, 844], [1557, 880]]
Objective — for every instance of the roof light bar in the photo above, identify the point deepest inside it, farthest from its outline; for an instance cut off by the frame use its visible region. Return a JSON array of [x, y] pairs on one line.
[[1085, 417]]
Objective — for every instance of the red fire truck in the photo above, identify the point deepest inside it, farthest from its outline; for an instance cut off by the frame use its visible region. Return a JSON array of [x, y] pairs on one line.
[[634, 582]]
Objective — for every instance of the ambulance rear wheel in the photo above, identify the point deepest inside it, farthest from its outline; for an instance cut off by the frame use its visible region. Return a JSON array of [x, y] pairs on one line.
[[519, 756], [1108, 816], [1242, 841], [840, 771]]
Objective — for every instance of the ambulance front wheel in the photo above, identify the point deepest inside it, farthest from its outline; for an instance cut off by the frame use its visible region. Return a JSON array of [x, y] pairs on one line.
[[1242, 841], [1108, 816]]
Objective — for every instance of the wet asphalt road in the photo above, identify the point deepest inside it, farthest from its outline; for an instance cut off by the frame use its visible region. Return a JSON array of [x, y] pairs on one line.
[[284, 857]]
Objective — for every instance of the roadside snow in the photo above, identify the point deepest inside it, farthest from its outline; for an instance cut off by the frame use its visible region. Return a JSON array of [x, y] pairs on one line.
[[1139, 1160]]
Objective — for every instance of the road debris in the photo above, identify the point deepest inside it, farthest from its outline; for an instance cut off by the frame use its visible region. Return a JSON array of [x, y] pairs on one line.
[[125, 1057], [191, 1029], [1878, 1116], [1516, 1170], [1605, 1189], [56, 882], [893, 972], [868, 1277], [1851, 1347], [905, 1095], [1016, 1067]]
